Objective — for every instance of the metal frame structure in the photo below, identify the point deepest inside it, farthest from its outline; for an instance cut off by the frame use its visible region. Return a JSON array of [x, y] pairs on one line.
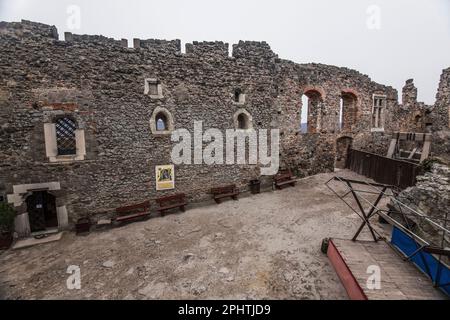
[[423, 150], [381, 191]]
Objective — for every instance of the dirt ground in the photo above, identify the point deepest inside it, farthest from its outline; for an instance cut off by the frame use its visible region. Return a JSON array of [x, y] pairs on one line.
[[264, 246]]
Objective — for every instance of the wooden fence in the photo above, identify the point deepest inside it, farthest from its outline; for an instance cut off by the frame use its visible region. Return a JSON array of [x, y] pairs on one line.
[[383, 170]]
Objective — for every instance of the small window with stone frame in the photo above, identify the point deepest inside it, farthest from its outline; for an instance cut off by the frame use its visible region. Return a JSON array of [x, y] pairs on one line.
[[239, 96], [153, 88], [161, 122], [242, 121]]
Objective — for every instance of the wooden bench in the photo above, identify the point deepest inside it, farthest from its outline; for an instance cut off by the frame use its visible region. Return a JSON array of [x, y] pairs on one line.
[[133, 212], [284, 179], [171, 202], [224, 192]]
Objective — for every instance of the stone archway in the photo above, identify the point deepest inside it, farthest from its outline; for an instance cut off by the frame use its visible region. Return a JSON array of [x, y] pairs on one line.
[[343, 145], [348, 110], [311, 114]]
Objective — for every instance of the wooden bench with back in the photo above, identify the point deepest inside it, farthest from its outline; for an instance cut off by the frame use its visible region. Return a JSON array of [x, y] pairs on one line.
[[133, 212], [171, 202], [284, 179], [225, 192]]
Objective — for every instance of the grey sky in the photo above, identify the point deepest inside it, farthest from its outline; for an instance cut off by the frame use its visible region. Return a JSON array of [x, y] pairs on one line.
[[413, 40]]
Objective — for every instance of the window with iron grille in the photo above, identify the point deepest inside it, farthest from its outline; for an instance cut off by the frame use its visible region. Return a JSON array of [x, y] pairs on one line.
[[65, 136]]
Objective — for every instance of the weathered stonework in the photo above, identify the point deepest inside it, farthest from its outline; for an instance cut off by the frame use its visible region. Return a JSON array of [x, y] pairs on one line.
[[101, 83], [430, 197]]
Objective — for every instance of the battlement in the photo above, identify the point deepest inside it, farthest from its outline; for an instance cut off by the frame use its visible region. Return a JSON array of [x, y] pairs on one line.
[[84, 38], [38, 31], [158, 45], [28, 29], [218, 48], [253, 49]]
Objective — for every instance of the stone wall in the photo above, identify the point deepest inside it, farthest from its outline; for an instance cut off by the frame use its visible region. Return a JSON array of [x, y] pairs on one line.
[[100, 82], [440, 118], [430, 197]]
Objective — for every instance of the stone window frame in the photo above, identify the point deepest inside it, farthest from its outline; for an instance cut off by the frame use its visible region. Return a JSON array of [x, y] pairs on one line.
[[313, 92], [169, 125], [51, 144], [377, 124], [153, 81], [346, 96], [249, 119], [242, 97]]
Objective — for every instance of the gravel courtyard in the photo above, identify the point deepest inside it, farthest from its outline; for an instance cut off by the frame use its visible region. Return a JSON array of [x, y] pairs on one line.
[[264, 246]]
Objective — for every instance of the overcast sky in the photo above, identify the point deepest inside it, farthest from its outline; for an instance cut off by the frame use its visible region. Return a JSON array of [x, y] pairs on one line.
[[390, 40]]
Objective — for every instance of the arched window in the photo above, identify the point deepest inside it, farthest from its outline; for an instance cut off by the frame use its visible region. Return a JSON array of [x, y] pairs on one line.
[[347, 112], [311, 111], [341, 112], [242, 120], [65, 136], [161, 122], [418, 120]]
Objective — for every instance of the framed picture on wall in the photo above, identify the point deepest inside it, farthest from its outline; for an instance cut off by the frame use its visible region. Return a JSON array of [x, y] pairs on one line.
[[165, 177]]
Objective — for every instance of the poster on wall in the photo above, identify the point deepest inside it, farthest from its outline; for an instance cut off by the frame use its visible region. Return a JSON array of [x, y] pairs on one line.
[[165, 177]]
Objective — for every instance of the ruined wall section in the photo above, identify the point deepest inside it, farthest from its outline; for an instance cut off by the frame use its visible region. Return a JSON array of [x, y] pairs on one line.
[[315, 152], [440, 118], [429, 197], [414, 116]]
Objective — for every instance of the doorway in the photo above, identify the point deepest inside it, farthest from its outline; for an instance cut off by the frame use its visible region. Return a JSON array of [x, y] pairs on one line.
[[343, 146], [41, 207]]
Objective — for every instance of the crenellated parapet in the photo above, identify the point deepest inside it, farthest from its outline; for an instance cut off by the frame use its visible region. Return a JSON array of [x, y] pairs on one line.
[[167, 46], [92, 39], [205, 48], [253, 49], [28, 29]]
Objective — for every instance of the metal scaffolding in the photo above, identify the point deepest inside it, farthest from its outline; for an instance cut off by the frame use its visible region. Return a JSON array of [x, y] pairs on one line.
[[357, 189]]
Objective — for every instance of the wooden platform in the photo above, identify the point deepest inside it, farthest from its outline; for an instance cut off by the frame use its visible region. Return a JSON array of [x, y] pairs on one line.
[[400, 280]]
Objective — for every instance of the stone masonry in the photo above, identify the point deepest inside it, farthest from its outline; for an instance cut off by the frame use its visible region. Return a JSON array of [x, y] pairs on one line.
[[431, 198], [101, 83]]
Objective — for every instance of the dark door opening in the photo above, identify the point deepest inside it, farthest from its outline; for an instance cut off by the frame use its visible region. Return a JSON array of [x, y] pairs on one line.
[[41, 208], [343, 146]]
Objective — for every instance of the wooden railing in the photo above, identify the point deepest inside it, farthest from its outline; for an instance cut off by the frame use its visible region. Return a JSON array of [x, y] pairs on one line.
[[383, 170]]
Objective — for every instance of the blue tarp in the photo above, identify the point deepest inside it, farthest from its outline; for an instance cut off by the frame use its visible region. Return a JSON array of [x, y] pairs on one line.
[[407, 245]]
